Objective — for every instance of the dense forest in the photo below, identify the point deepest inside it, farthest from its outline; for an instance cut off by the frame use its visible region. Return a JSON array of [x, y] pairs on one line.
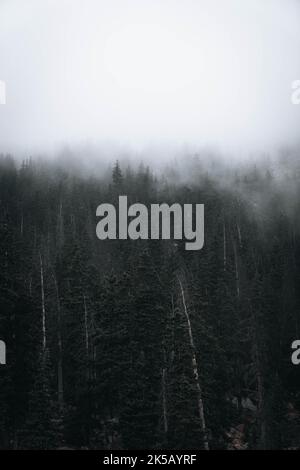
[[141, 344]]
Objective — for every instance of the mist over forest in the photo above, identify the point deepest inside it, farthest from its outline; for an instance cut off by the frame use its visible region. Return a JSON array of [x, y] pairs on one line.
[[142, 344], [103, 337]]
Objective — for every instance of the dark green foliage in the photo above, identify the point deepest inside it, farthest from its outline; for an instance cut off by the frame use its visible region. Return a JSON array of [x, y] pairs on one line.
[[118, 367]]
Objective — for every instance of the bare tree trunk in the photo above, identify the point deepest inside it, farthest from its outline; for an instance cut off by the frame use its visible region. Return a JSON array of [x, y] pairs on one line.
[[172, 353], [86, 333], [260, 385], [43, 304], [60, 228], [34, 240], [195, 371], [86, 328], [22, 225], [224, 247], [237, 275], [73, 224], [239, 235], [60, 382], [164, 396]]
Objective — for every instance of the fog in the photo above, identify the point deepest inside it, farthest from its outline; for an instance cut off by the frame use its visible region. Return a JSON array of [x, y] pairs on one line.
[[140, 74]]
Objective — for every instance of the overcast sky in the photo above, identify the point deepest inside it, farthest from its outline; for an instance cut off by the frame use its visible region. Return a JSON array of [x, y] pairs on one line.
[[149, 72]]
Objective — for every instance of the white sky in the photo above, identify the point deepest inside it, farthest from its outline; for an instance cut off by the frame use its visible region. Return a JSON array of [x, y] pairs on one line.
[[149, 72]]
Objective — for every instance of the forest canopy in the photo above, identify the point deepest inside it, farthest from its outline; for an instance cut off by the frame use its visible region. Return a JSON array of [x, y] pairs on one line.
[[140, 344]]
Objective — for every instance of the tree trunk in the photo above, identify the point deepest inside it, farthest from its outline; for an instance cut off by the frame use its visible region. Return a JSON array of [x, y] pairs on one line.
[[260, 386], [195, 371], [60, 382], [22, 225], [224, 247], [86, 334], [43, 305], [164, 396], [239, 235], [237, 275]]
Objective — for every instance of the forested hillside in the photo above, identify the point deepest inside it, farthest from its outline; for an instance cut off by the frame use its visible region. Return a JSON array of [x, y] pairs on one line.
[[142, 344]]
